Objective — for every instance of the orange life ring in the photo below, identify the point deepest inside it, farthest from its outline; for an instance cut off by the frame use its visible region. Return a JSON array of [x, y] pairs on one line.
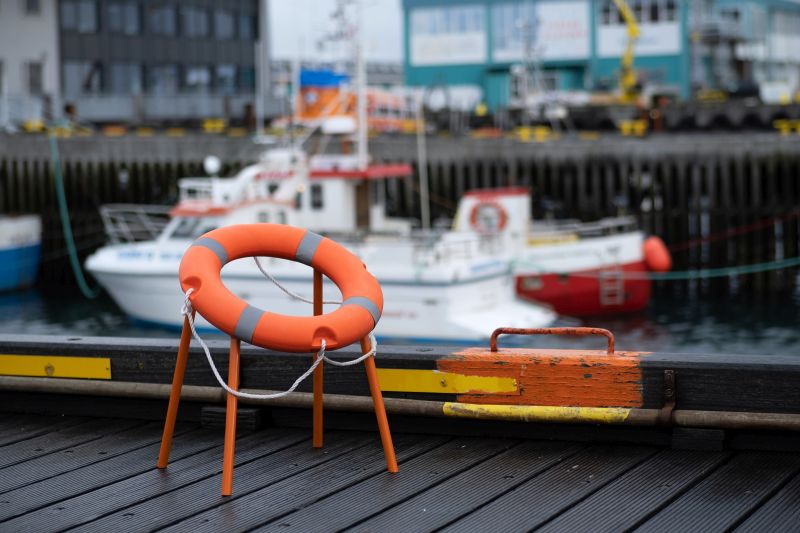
[[362, 298], [501, 216]]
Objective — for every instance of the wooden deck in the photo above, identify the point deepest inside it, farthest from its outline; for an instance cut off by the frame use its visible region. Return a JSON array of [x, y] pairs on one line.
[[58, 473]]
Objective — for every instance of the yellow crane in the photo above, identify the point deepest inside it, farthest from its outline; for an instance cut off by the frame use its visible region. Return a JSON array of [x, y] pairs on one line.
[[627, 77]]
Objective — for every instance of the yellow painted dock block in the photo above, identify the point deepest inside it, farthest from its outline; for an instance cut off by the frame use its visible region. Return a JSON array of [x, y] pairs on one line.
[[33, 126], [55, 366], [634, 128], [537, 134], [115, 131], [214, 125], [237, 132], [175, 132], [785, 126], [145, 132]]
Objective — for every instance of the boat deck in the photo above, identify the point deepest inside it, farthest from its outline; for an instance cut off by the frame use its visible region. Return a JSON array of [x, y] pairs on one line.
[[94, 474]]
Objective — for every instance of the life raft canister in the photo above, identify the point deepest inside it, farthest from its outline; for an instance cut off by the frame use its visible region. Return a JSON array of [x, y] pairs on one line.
[[362, 298], [656, 255]]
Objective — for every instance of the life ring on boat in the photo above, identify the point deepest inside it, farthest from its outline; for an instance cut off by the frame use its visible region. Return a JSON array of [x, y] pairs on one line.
[[362, 298], [488, 216]]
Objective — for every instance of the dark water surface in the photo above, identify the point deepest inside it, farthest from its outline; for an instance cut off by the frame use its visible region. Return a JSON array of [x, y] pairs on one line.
[[674, 322]]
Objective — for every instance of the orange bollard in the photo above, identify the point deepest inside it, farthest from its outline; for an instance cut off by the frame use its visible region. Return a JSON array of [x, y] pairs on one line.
[[230, 419], [175, 394], [317, 410], [380, 410]]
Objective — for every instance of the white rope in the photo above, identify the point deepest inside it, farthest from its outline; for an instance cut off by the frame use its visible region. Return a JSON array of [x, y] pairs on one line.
[[287, 291], [186, 310]]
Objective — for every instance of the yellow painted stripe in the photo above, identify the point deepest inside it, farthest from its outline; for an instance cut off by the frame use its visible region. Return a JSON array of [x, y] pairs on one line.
[[55, 366], [402, 380], [537, 413]]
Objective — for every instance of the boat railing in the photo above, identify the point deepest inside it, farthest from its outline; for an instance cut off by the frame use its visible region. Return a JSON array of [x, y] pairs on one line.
[[424, 248], [605, 226], [133, 222], [196, 189]]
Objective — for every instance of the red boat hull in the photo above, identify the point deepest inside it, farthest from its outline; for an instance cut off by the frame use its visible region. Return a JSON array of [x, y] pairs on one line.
[[580, 295]]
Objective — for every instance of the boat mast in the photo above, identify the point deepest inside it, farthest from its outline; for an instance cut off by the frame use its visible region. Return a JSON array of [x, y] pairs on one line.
[[361, 88], [262, 66]]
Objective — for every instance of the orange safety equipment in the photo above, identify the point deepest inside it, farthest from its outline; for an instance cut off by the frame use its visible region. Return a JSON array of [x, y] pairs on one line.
[[656, 255], [362, 298]]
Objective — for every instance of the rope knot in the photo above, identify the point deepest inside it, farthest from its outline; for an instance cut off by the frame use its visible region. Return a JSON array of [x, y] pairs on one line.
[[186, 308]]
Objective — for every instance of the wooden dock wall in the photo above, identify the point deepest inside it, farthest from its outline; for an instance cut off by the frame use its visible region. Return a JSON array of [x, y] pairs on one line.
[[717, 199]]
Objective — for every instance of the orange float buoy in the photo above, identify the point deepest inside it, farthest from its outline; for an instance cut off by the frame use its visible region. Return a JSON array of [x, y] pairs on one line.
[[656, 255], [362, 298]]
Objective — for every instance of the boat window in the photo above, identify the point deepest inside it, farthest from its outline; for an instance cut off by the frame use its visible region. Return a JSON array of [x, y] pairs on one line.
[[263, 216], [281, 217], [272, 187], [186, 229], [316, 196], [298, 200]]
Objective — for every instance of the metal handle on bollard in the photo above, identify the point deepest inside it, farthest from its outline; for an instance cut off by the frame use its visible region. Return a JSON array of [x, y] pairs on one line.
[[581, 332]]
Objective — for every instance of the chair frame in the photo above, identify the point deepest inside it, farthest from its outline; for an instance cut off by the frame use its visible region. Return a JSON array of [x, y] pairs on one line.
[[232, 401]]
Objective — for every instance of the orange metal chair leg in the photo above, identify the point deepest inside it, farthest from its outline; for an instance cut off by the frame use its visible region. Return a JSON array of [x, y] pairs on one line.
[[380, 410], [317, 410], [175, 394], [230, 419]]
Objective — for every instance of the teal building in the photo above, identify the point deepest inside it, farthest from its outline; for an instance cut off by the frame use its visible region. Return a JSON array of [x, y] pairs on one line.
[[476, 46]]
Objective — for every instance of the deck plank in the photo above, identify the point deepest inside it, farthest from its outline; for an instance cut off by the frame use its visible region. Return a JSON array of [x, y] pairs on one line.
[[725, 497], [62, 439], [252, 473], [781, 514], [645, 489], [360, 501], [152, 483], [97, 475], [276, 484], [26, 427], [548, 494], [106, 447], [471, 489]]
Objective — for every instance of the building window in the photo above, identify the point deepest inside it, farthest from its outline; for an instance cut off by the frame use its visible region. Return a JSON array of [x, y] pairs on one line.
[[510, 22], [197, 78], [162, 20], [125, 78], [123, 17], [316, 196], [247, 27], [33, 76], [443, 20], [79, 15], [226, 79], [223, 24], [163, 79], [247, 78], [81, 77], [194, 22], [32, 7]]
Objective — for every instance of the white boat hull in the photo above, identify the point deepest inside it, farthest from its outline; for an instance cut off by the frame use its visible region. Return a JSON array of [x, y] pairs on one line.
[[468, 310]]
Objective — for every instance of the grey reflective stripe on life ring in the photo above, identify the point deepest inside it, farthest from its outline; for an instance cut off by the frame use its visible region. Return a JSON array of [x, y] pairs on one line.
[[246, 325], [214, 246], [367, 304], [308, 247]]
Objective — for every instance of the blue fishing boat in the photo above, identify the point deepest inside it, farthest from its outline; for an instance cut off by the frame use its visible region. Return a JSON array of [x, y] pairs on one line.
[[20, 245]]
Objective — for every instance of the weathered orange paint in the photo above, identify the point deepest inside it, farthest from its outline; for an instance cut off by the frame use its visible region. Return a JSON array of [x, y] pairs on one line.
[[581, 378]]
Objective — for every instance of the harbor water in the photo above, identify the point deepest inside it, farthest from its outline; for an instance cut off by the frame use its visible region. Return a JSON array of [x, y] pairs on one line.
[[673, 322]]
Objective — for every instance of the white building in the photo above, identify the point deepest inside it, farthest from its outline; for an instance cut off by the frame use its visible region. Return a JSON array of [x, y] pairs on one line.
[[29, 61]]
